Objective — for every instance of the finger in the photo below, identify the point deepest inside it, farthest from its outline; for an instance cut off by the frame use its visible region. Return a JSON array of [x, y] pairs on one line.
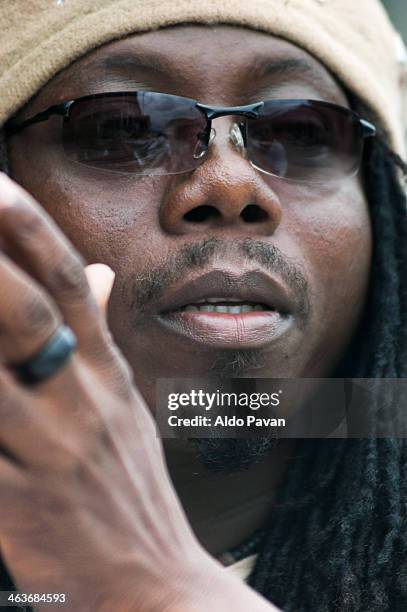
[[100, 278], [28, 317], [13, 486], [37, 430], [19, 424], [45, 253], [9, 474]]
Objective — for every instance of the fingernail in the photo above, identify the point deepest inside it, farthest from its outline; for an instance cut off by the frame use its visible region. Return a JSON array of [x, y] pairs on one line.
[[9, 195], [101, 278], [104, 273]]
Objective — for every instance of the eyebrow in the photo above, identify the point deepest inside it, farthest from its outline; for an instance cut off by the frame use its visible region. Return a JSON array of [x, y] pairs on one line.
[[138, 60], [284, 69], [280, 71]]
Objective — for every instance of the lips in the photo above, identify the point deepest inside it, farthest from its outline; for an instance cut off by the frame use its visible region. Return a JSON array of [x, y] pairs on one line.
[[228, 308]]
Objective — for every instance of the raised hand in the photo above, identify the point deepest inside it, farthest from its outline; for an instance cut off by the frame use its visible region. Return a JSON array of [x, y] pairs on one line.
[[87, 509]]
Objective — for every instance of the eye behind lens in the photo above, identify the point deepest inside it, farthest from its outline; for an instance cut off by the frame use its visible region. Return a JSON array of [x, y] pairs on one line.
[[305, 141], [145, 133]]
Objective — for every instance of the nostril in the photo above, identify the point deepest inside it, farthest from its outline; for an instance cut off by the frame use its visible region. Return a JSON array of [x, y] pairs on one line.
[[199, 214], [253, 214]]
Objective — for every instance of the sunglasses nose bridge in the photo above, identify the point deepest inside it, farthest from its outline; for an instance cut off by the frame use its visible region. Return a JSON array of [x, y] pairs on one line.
[[236, 137], [231, 133], [202, 146]]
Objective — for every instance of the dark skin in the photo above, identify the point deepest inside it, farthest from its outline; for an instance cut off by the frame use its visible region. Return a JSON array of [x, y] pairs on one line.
[[134, 225]]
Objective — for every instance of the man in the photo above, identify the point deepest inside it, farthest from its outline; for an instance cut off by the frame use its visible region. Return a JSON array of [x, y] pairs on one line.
[[272, 218]]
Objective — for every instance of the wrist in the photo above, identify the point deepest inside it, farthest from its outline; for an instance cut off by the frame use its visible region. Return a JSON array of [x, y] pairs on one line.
[[196, 584], [210, 587], [166, 585]]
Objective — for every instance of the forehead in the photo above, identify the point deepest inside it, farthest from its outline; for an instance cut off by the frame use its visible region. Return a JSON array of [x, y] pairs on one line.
[[204, 62]]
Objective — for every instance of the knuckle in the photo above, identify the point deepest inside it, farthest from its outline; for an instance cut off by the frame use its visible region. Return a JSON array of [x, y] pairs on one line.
[[14, 492], [118, 370], [73, 458], [31, 319], [98, 427], [23, 334], [36, 314], [11, 409], [26, 221], [69, 279]]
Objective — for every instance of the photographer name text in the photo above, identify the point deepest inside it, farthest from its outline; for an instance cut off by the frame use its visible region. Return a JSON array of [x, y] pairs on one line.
[[224, 421]]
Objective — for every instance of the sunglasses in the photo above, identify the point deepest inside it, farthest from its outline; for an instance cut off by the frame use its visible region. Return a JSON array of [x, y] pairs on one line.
[[149, 133]]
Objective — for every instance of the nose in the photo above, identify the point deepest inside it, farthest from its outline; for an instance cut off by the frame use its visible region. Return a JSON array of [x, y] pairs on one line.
[[224, 193]]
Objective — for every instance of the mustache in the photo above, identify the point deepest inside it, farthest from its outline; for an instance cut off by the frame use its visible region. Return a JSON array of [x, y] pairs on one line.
[[151, 284]]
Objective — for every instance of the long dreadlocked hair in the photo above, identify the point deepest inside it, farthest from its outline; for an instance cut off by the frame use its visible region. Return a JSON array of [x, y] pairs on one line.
[[337, 537]]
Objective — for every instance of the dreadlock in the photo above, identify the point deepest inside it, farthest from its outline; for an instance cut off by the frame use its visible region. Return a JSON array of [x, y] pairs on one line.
[[337, 536]]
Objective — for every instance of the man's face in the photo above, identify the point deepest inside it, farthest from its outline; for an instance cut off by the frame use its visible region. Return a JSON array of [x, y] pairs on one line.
[[300, 252]]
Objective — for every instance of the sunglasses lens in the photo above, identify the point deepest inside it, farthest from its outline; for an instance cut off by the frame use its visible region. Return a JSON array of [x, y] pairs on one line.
[[142, 133], [305, 141]]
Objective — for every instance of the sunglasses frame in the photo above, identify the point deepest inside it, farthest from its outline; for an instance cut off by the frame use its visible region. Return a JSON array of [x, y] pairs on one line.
[[249, 111]]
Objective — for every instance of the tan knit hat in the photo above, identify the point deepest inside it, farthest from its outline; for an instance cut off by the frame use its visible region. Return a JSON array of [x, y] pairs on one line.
[[353, 38]]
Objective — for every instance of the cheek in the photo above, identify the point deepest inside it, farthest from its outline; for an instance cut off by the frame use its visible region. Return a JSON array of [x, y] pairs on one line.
[[338, 246], [109, 219], [332, 235]]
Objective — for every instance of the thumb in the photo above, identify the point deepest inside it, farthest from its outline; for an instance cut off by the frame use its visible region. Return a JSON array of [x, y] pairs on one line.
[[101, 279]]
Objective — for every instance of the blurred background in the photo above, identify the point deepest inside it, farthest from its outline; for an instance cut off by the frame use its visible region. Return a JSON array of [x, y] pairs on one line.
[[397, 10]]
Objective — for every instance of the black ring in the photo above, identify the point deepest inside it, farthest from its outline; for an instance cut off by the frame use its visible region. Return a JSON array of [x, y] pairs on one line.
[[49, 359]]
